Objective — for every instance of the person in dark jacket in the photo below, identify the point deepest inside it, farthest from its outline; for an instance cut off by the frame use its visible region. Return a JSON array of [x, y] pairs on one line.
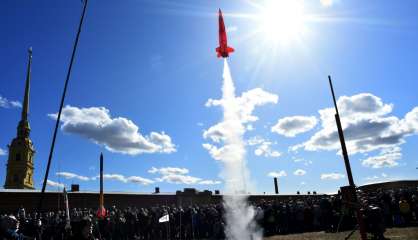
[[83, 230]]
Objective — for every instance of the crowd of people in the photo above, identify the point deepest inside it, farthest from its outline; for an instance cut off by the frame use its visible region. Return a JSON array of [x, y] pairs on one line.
[[381, 209]]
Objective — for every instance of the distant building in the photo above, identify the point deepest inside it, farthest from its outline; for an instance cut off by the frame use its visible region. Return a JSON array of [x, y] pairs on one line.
[[20, 162], [12, 199], [390, 185]]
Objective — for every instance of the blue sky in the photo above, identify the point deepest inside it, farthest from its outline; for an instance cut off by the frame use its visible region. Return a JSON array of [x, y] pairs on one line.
[[145, 70]]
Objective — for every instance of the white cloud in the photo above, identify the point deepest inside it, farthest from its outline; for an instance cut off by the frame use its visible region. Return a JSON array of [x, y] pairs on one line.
[[386, 158], [299, 172], [140, 180], [332, 176], [169, 170], [301, 160], [54, 184], [178, 175], [116, 134], [367, 127], [2, 152], [168, 174], [292, 126], [365, 104], [209, 182], [410, 121], [179, 179], [6, 103], [185, 179], [264, 149], [15, 104], [68, 175], [364, 123], [116, 177], [131, 179], [282, 173]]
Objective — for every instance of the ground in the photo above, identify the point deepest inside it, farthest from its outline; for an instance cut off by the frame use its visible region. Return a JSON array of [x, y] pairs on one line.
[[393, 233]]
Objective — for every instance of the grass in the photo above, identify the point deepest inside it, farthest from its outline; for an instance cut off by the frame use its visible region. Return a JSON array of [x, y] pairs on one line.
[[410, 233]]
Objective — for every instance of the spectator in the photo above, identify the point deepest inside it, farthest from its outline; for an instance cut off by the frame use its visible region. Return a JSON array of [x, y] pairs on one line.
[[301, 214], [405, 210]]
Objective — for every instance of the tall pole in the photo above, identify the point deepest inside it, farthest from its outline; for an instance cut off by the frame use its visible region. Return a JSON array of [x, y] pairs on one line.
[[359, 214], [276, 186], [51, 152], [101, 200], [341, 136]]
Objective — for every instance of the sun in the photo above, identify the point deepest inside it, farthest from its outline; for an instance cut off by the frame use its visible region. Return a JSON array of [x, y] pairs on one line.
[[282, 21]]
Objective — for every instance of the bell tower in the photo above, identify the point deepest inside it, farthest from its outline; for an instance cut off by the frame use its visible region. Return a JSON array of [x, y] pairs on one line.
[[20, 163]]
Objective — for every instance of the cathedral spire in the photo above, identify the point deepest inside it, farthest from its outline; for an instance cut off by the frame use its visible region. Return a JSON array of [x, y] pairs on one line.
[[25, 109], [23, 128], [20, 163]]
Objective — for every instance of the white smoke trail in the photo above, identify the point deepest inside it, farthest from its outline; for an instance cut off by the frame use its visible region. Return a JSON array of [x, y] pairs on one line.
[[239, 215]]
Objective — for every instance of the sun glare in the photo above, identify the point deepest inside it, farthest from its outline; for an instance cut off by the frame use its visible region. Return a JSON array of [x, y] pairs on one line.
[[282, 21]]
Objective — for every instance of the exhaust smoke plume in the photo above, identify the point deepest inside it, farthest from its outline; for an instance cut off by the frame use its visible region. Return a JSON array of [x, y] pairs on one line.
[[239, 215]]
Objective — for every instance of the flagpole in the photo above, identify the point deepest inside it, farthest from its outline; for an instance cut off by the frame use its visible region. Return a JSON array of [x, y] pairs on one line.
[[61, 106]]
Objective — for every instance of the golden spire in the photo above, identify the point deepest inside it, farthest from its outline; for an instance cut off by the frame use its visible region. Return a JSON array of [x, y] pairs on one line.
[[25, 109], [23, 129], [20, 163]]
